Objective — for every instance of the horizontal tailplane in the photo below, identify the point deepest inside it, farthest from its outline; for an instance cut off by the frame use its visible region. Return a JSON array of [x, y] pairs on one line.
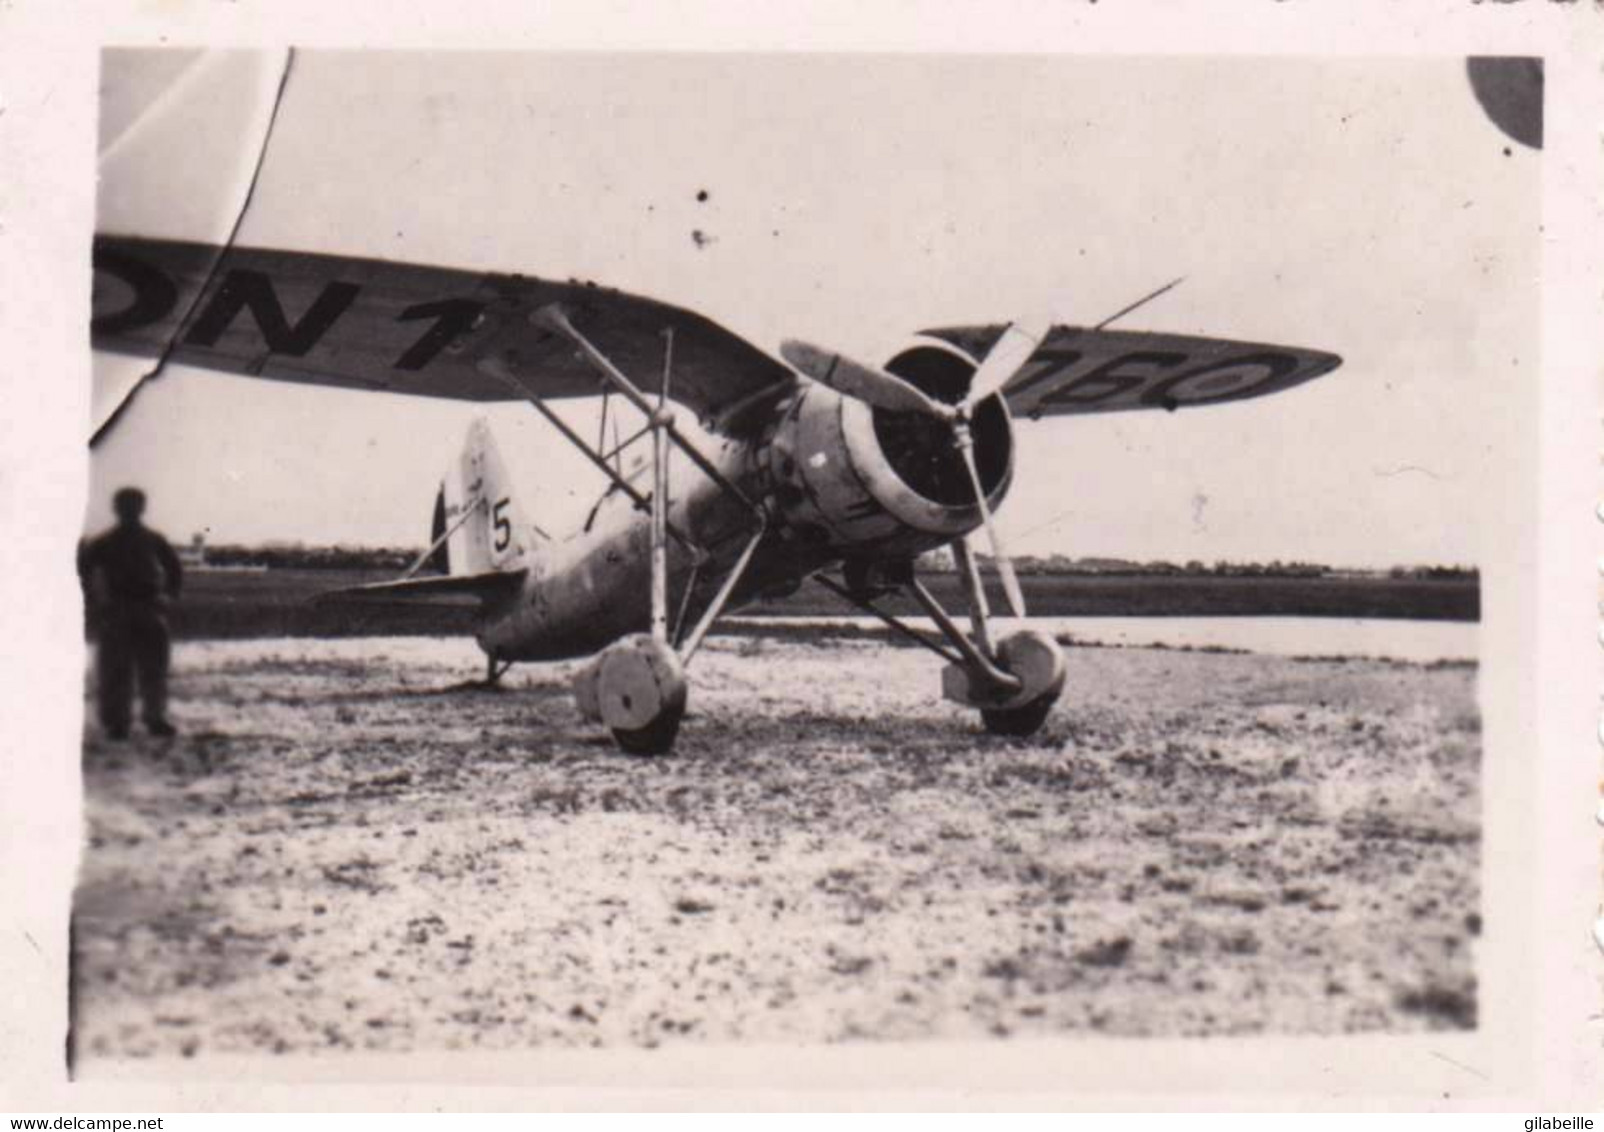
[[491, 588]]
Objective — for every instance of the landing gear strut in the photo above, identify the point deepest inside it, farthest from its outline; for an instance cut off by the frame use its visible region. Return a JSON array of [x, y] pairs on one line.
[[1014, 683], [636, 686], [1038, 663], [495, 669]]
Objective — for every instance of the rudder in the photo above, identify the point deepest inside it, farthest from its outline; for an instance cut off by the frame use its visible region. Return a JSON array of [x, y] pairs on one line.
[[493, 536]]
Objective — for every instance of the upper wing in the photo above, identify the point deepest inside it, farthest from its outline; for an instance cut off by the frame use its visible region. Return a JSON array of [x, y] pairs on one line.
[[1096, 371], [402, 328]]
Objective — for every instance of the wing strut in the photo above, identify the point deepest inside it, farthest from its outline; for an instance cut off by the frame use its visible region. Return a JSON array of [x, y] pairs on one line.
[[662, 418], [499, 370], [553, 319], [665, 437]]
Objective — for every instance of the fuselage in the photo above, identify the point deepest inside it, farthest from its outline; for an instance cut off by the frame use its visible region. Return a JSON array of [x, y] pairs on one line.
[[837, 481]]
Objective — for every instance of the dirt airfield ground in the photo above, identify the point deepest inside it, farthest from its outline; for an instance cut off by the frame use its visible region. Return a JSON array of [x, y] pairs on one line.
[[348, 850]]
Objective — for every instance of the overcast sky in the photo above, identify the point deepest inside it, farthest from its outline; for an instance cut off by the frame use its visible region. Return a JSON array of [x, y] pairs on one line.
[[1362, 207]]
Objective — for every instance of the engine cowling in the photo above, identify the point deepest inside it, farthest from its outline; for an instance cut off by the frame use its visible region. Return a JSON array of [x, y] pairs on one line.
[[863, 480]]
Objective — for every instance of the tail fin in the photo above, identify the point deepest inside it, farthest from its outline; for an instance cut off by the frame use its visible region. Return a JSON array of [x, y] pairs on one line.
[[477, 505]]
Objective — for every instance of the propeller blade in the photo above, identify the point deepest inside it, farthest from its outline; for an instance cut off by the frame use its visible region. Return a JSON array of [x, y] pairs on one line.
[[873, 386], [1005, 565], [1010, 352]]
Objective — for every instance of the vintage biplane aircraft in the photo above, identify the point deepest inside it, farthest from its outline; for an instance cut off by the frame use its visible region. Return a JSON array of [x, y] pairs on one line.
[[816, 466]]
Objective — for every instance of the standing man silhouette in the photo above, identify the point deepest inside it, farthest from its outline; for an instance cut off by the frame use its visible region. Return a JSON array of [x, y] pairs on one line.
[[130, 576]]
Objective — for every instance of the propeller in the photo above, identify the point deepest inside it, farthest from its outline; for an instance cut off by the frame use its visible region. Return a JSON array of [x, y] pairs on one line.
[[1005, 358], [1008, 354], [883, 390], [874, 386]]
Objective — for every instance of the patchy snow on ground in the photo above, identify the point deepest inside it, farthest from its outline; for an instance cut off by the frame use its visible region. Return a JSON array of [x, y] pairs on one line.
[[350, 848]]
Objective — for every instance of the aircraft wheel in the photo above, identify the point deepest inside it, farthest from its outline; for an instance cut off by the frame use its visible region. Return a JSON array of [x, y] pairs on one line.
[[1037, 660], [1019, 721], [655, 739], [641, 694]]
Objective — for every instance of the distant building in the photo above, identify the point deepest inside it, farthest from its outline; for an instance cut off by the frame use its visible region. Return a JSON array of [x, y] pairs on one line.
[[1104, 566], [195, 553]]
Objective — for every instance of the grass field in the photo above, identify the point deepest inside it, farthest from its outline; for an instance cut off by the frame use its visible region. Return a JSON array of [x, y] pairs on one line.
[[278, 603]]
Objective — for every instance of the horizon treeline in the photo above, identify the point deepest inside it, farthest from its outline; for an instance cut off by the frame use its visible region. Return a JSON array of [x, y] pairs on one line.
[[304, 556]]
